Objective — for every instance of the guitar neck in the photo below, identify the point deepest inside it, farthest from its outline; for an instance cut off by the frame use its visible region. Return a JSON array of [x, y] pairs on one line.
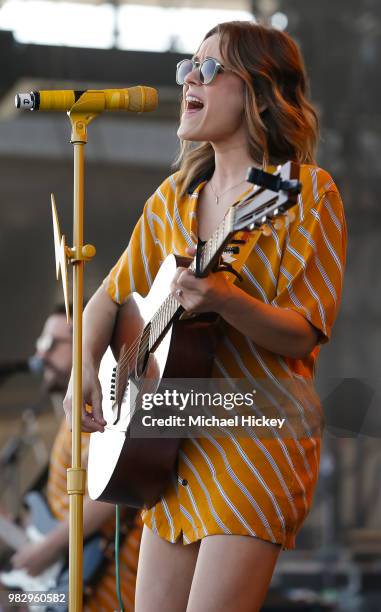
[[210, 252], [12, 534], [205, 260]]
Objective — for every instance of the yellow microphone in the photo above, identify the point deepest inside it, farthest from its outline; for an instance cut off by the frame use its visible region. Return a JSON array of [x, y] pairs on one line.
[[139, 99]]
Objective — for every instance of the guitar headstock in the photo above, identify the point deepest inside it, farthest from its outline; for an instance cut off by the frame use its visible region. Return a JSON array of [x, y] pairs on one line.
[[275, 195]]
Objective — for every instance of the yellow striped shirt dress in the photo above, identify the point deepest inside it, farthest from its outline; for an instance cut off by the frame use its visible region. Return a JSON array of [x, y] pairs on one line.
[[254, 485]]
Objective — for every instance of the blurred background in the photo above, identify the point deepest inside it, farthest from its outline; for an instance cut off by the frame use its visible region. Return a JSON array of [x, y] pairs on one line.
[[50, 44]]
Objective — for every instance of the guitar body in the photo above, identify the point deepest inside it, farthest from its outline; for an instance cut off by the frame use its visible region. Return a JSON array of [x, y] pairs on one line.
[[136, 471]]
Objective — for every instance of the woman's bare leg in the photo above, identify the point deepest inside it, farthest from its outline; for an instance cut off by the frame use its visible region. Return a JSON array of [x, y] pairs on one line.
[[165, 573], [232, 574]]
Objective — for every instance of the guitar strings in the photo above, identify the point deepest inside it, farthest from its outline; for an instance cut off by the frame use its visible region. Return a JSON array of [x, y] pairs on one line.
[[131, 352], [143, 340], [123, 362], [139, 385], [146, 332]]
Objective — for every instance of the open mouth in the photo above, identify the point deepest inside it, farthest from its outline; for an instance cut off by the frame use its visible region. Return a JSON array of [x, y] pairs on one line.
[[193, 105]]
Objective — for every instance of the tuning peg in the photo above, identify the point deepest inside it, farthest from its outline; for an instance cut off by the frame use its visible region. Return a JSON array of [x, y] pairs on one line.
[[232, 249]]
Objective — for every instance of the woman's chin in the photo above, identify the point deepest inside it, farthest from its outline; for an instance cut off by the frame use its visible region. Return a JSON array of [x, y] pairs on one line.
[[185, 133], [192, 135]]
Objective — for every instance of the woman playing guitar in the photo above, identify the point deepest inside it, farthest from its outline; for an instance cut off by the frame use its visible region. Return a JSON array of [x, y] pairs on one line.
[[212, 541]]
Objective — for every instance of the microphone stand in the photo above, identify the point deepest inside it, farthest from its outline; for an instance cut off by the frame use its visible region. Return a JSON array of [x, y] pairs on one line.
[[76, 475], [77, 256]]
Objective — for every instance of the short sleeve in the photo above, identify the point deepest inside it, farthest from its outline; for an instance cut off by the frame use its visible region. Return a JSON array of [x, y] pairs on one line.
[[138, 265], [312, 265]]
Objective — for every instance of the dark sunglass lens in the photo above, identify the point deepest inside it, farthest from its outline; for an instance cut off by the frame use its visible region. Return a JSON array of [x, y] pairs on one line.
[[183, 69], [208, 71]]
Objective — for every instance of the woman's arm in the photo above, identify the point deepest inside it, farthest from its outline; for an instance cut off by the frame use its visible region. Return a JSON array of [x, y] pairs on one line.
[[98, 324], [282, 331]]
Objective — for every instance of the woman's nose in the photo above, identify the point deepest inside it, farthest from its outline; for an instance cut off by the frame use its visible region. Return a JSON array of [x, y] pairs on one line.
[[193, 76]]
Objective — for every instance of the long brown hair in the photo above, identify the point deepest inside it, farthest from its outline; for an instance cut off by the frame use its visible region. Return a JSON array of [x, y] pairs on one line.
[[271, 65]]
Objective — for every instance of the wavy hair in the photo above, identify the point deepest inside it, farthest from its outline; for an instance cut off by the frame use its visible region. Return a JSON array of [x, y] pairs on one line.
[[271, 65]]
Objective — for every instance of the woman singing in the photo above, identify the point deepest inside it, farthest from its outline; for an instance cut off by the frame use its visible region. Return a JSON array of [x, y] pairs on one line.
[[211, 543]]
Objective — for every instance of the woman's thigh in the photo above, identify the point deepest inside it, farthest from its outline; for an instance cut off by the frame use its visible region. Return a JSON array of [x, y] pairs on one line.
[[232, 574], [165, 573]]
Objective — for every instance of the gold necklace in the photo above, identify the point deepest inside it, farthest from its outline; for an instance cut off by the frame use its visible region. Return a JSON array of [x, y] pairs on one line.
[[226, 191]]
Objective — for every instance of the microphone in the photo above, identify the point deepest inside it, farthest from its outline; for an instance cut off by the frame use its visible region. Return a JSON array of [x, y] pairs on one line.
[[33, 364], [139, 99]]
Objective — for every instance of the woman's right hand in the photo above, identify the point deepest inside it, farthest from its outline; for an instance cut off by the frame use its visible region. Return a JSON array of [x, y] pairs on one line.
[[92, 415]]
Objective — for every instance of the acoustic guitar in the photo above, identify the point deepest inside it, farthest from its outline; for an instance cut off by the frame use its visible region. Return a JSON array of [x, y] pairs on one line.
[[155, 339]]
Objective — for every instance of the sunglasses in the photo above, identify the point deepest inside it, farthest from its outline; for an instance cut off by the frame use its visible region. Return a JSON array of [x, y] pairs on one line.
[[207, 70]]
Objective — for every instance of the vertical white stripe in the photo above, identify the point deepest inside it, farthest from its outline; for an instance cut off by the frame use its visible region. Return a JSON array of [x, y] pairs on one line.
[[212, 509], [169, 518]]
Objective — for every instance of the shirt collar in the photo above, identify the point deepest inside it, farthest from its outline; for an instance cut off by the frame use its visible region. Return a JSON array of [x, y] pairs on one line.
[[198, 180]]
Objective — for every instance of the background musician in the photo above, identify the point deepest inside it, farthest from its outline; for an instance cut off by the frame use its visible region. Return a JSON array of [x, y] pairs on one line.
[[54, 347]]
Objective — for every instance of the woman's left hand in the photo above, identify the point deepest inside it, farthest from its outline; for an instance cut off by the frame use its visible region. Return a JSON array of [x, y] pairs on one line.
[[200, 294]]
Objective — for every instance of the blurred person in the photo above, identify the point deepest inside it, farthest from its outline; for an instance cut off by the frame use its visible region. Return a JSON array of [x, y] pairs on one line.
[[213, 540], [54, 347]]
